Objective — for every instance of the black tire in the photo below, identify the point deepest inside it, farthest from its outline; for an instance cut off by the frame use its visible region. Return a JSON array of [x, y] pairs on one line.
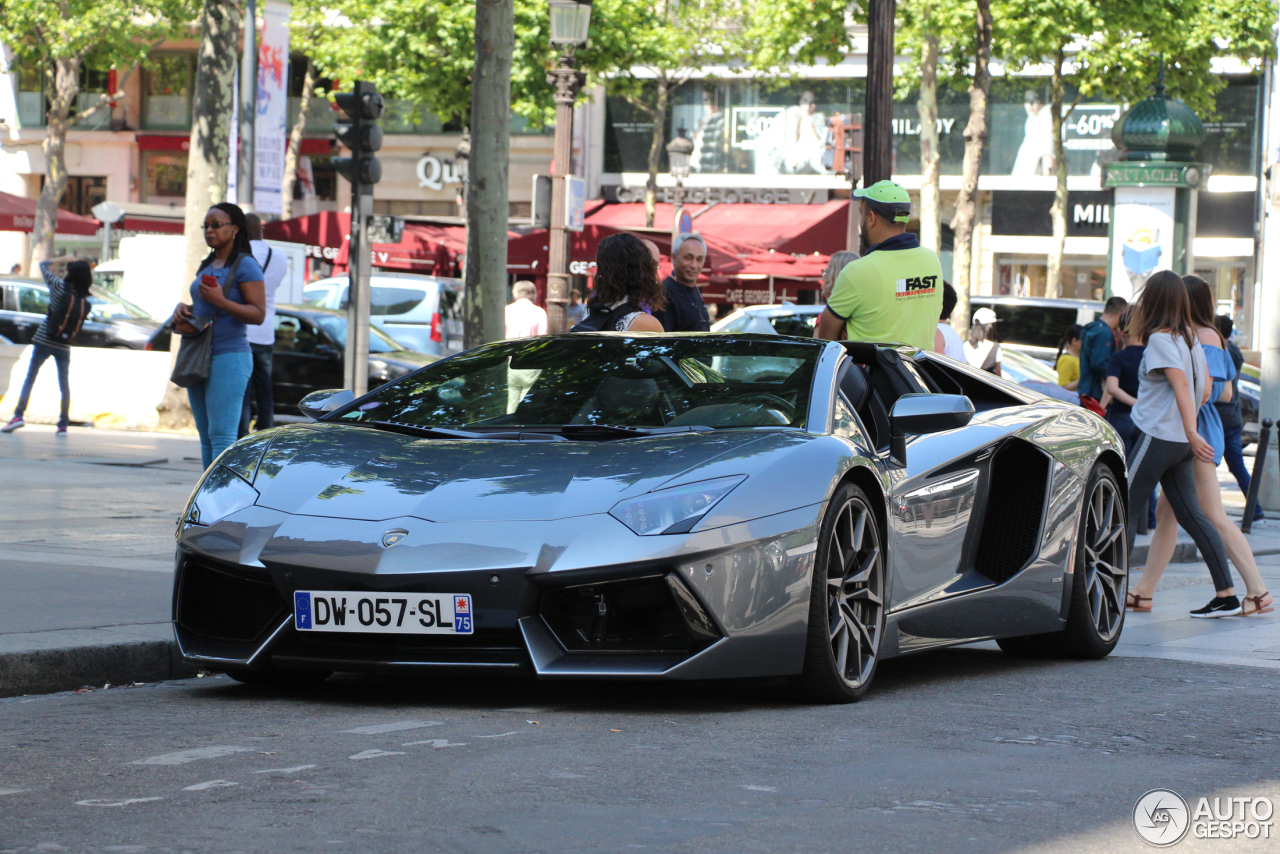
[[847, 593], [278, 678], [1100, 580]]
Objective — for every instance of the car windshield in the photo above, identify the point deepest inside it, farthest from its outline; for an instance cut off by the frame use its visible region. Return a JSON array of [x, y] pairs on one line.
[[109, 306], [591, 381], [336, 326]]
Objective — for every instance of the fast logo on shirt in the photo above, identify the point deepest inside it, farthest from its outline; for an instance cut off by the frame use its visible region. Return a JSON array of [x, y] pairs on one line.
[[917, 286]]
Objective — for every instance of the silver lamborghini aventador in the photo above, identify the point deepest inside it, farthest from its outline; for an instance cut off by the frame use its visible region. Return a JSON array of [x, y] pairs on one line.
[[689, 506]]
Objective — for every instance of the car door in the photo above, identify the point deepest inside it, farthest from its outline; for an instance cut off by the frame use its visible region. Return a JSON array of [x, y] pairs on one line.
[[304, 360], [9, 313], [32, 305]]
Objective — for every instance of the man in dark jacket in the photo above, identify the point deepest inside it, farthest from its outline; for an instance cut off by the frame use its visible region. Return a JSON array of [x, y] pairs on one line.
[[1097, 346], [685, 310]]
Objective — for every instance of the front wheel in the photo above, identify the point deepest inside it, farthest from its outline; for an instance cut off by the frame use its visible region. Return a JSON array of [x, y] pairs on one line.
[[846, 605], [1101, 579]]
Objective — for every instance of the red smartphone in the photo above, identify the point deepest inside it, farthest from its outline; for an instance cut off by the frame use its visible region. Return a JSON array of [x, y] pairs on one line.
[[206, 279]]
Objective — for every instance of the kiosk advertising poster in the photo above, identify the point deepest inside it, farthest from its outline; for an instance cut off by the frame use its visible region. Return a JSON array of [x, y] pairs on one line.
[[1142, 236], [269, 128]]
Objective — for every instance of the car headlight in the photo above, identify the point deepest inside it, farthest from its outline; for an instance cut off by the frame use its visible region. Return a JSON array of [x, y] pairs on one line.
[[221, 493], [675, 509]]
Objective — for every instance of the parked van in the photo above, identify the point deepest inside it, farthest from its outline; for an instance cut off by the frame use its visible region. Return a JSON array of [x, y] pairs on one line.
[[1035, 325], [424, 313]]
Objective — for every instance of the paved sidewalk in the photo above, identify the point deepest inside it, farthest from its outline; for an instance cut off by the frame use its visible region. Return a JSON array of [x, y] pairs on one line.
[[87, 559], [86, 567]]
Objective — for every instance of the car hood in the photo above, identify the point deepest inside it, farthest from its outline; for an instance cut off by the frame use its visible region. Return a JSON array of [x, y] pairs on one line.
[[360, 473]]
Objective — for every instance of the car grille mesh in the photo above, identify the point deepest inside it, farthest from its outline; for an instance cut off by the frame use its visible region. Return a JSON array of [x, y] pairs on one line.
[[1015, 503], [216, 604]]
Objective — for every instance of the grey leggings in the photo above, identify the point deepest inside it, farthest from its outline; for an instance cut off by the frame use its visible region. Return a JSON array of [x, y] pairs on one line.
[[1172, 465]]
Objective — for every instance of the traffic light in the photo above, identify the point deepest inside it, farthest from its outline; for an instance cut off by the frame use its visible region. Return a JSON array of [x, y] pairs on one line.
[[363, 106]]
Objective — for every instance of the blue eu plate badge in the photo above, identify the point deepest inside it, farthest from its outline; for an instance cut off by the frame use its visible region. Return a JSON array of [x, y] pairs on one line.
[[462, 614], [302, 610]]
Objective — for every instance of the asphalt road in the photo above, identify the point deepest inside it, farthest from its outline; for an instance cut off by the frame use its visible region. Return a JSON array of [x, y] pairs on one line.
[[959, 751]]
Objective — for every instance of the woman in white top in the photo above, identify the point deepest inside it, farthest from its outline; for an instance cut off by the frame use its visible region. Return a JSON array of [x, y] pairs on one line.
[[946, 340], [981, 350], [1173, 382], [627, 288]]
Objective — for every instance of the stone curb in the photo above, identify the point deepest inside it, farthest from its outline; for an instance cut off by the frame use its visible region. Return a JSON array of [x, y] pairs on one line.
[[51, 663]]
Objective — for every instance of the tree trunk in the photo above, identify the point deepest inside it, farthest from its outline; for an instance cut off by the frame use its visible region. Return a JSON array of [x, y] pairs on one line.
[[487, 208], [975, 140], [295, 141], [66, 87], [927, 105], [210, 147], [1053, 278], [877, 136], [656, 143]]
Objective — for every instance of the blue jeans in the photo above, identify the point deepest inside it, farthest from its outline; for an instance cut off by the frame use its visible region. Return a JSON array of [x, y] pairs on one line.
[[62, 358], [1234, 456], [259, 390], [216, 402]]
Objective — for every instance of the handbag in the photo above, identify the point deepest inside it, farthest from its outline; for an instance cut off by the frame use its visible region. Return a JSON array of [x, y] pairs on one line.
[[195, 350]]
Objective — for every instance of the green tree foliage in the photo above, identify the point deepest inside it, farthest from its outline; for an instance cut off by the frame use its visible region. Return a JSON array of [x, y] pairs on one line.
[[1114, 49], [59, 37]]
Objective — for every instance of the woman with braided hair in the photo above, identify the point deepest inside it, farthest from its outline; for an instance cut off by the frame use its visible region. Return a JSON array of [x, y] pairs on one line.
[[229, 293]]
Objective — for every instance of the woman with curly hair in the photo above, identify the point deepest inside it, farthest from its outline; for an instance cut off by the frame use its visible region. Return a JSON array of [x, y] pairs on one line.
[[626, 285]]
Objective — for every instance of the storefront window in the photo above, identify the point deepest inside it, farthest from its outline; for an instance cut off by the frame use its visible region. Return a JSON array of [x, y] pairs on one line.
[[32, 106], [166, 178], [1026, 277], [82, 193], [168, 91], [754, 127]]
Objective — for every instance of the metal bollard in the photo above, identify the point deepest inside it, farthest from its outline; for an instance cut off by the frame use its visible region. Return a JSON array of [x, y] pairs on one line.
[[1251, 501]]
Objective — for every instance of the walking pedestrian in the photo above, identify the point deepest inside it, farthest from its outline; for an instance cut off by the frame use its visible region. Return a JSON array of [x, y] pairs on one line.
[[1122, 392], [894, 291], [1098, 343], [1067, 362], [626, 281], [68, 308], [682, 309], [524, 319], [228, 292], [1233, 419], [1173, 382], [262, 336], [981, 350], [1209, 425], [946, 340]]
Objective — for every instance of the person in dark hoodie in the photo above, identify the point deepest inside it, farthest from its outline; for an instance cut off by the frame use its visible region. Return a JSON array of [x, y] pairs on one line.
[[68, 308]]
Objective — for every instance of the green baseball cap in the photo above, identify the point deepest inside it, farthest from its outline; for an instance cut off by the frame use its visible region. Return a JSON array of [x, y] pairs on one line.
[[889, 198]]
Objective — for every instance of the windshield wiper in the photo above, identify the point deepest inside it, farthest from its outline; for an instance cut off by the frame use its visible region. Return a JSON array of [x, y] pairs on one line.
[[616, 430], [429, 432]]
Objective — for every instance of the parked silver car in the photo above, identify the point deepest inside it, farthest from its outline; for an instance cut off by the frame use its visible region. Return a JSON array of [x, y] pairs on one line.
[[612, 505], [424, 313]]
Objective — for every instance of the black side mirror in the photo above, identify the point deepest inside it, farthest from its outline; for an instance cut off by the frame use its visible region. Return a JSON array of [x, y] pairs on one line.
[[925, 413], [319, 403]]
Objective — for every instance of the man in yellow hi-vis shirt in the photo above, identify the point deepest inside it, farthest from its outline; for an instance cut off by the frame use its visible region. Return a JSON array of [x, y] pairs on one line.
[[894, 291]]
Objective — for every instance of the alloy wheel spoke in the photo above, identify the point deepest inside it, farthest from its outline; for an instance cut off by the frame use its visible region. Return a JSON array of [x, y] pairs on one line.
[[838, 625], [865, 594], [858, 531], [842, 652], [865, 566]]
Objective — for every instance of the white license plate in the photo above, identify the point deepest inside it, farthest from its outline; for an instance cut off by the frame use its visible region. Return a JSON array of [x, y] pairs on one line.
[[385, 613]]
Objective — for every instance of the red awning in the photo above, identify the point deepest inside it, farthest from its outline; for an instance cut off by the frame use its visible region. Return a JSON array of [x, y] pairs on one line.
[[321, 230], [801, 229], [163, 142], [527, 254], [19, 214]]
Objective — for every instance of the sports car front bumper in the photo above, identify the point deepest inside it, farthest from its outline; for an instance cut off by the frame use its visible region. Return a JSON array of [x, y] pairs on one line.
[[573, 597]]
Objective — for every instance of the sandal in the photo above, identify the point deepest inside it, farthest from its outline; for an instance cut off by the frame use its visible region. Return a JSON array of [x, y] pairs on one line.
[[1133, 602], [1259, 607]]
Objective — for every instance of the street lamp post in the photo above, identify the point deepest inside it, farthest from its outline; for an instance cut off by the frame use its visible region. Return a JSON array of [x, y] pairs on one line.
[[678, 153], [570, 21]]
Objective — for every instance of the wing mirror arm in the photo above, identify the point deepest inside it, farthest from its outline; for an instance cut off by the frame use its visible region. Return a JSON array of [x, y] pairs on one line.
[[924, 413]]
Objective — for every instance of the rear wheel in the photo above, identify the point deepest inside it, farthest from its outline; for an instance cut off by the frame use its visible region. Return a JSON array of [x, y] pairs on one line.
[[846, 605], [1096, 615]]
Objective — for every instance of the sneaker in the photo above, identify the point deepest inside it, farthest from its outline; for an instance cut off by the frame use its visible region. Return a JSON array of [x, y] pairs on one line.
[[14, 424], [1219, 606], [61, 431]]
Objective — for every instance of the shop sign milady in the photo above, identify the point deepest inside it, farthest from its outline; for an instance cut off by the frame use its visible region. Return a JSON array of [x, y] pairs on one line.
[[1155, 174]]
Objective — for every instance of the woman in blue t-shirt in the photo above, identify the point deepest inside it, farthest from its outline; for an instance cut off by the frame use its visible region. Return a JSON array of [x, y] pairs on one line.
[[216, 402]]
